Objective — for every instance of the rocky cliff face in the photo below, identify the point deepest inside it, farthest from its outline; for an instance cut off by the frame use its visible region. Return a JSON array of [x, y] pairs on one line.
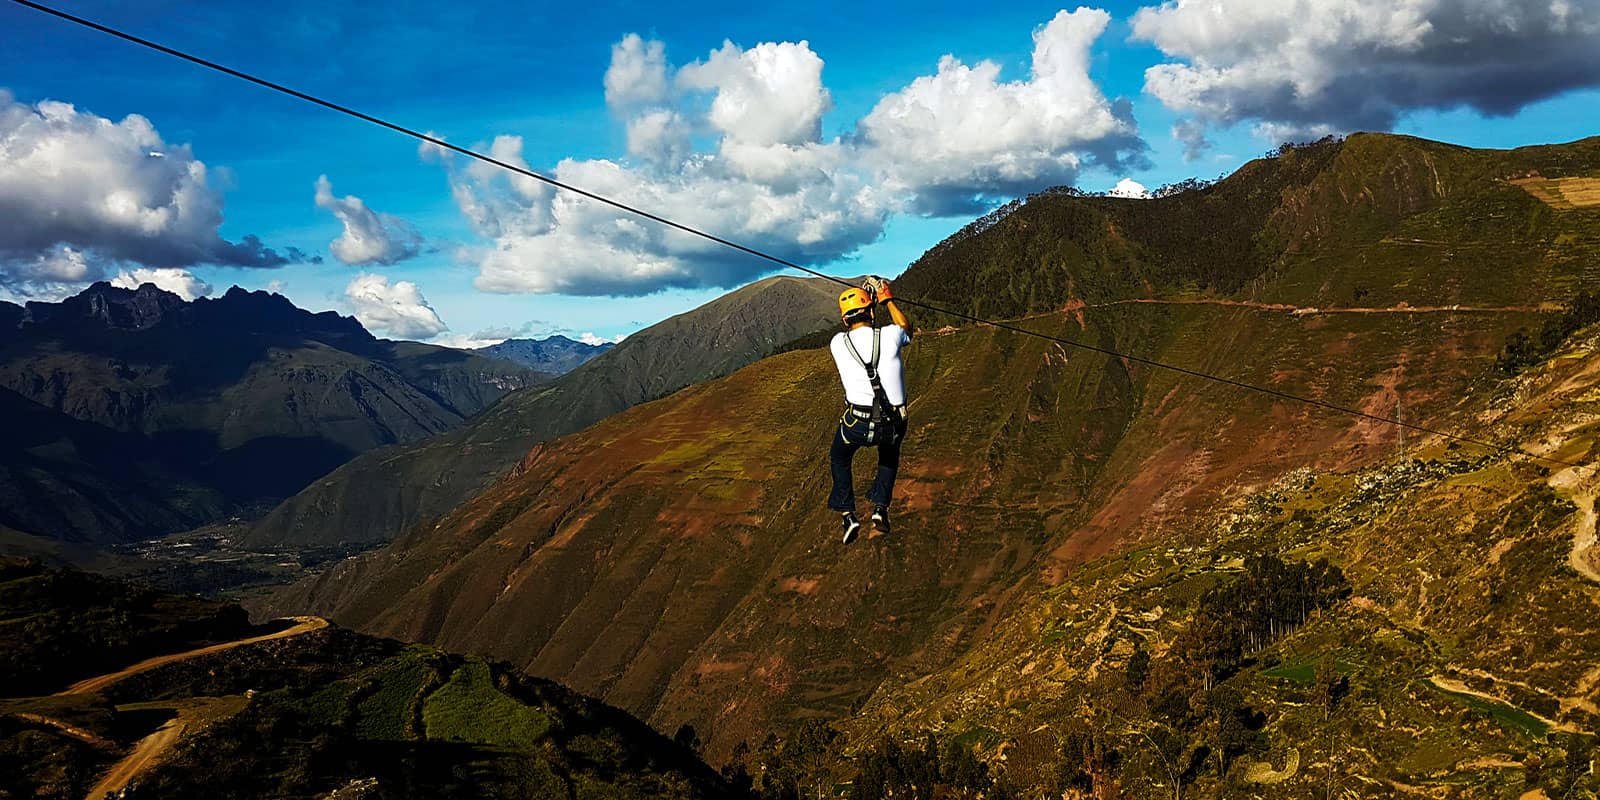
[[103, 305]]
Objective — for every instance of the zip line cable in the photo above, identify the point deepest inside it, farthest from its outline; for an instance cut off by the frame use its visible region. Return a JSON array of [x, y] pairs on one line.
[[473, 154]]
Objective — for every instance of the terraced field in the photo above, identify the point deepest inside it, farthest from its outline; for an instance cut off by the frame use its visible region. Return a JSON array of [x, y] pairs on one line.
[[1563, 194]]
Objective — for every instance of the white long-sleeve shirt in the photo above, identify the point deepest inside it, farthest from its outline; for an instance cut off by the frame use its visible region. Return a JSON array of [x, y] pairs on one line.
[[857, 387]]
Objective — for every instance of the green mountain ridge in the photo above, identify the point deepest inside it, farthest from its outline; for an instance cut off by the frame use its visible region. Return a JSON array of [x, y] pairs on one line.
[[1372, 220], [676, 559]]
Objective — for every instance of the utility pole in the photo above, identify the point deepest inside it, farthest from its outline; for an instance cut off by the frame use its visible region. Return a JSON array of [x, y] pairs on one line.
[[1399, 416]]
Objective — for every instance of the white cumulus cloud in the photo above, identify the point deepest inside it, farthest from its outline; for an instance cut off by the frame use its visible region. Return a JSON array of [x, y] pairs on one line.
[[592, 340], [1128, 187], [548, 241], [178, 281], [962, 136], [659, 136], [369, 237], [732, 144], [397, 309], [638, 72], [1302, 68], [771, 94], [79, 193]]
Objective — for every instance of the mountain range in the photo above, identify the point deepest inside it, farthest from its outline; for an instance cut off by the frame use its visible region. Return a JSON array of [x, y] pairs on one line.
[[375, 498], [1078, 535], [552, 355], [135, 413]]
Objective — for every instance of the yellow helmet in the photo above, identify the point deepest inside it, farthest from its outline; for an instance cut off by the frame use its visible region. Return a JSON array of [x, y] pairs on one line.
[[853, 300]]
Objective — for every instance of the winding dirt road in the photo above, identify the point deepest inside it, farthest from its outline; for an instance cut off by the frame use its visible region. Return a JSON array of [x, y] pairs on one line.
[[1584, 539], [191, 712], [92, 685]]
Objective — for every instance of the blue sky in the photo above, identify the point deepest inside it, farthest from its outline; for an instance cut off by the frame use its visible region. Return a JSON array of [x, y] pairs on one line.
[[538, 71]]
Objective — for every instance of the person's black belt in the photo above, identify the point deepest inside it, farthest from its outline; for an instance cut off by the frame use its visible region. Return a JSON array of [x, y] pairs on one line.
[[865, 412]]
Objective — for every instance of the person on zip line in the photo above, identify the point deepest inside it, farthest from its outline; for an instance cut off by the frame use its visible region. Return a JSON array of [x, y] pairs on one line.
[[868, 358]]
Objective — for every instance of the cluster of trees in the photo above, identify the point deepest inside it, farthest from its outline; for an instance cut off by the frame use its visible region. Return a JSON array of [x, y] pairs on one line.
[[811, 765], [1288, 148], [1163, 725], [890, 771], [804, 765], [1156, 742], [1272, 599], [1185, 185], [972, 229], [1524, 349]]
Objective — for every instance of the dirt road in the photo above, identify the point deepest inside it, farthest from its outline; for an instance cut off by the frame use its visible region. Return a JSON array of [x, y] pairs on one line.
[[144, 754], [91, 685], [1584, 540], [1457, 687], [1308, 311], [191, 712], [1577, 481]]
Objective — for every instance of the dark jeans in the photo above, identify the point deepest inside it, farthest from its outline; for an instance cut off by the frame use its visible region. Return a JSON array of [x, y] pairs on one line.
[[850, 437]]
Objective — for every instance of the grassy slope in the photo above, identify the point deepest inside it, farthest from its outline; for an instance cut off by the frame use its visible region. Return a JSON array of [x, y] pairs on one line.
[[65, 480], [376, 497], [303, 716], [421, 723]]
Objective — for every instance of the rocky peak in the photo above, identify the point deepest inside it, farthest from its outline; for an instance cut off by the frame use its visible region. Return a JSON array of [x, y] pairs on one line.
[[107, 305], [267, 312]]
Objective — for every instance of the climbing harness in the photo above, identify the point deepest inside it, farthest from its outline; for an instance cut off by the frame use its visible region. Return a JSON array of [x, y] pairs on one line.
[[882, 416]]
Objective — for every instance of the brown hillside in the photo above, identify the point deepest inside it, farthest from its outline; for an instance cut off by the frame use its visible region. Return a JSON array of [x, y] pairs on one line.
[[676, 559]]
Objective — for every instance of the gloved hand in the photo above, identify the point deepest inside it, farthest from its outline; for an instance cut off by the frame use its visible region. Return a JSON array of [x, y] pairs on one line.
[[872, 285], [883, 295]]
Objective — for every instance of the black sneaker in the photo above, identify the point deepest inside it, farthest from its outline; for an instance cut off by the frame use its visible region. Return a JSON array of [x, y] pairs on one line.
[[880, 519], [852, 526]]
